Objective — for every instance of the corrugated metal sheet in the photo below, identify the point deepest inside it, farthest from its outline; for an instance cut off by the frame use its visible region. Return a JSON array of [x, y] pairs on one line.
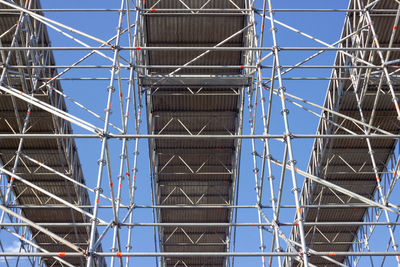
[[347, 162], [194, 172], [51, 152]]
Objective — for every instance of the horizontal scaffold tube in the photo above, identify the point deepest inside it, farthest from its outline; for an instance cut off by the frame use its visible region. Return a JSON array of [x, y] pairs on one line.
[[177, 136], [338, 224], [200, 254]]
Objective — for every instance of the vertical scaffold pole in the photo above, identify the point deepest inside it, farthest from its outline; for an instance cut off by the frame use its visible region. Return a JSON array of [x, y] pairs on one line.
[[299, 214], [104, 139]]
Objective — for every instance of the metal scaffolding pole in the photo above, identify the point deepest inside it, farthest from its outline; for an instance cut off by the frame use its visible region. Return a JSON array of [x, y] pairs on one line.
[[195, 64]]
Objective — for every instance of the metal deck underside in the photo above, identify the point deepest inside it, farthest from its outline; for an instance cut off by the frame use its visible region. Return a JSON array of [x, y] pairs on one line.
[[61, 155], [194, 102], [348, 162]]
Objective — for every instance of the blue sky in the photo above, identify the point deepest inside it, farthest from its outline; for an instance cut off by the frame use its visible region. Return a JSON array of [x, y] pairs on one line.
[[325, 26]]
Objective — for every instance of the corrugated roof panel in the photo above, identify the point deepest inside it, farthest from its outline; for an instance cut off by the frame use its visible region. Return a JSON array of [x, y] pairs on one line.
[[347, 163], [47, 151], [194, 172]]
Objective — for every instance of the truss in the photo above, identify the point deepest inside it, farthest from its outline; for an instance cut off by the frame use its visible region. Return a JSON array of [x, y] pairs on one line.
[[227, 89]]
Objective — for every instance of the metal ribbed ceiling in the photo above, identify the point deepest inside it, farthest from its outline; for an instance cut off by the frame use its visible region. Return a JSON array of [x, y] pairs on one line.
[[347, 163], [60, 155], [194, 172]]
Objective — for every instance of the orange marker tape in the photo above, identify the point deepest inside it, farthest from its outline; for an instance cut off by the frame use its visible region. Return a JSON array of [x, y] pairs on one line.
[[61, 254], [119, 254]]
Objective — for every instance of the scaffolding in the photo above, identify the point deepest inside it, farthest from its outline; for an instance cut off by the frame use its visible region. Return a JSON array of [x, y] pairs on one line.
[[227, 90]]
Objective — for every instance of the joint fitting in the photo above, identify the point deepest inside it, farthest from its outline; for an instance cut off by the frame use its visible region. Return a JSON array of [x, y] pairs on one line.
[[290, 135], [265, 85], [115, 47], [95, 220], [99, 189], [294, 189], [105, 135], [276, 48], [284, 111], [101, 161]]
